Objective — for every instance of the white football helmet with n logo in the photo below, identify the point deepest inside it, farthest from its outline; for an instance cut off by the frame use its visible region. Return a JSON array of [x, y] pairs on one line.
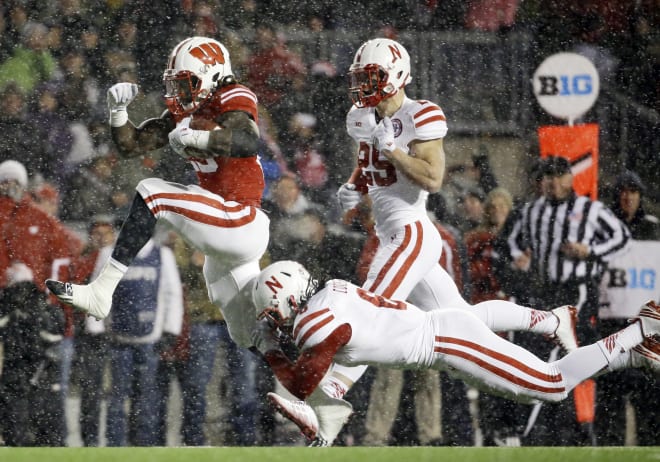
[[195, 68], [380, 68], [280, 290]]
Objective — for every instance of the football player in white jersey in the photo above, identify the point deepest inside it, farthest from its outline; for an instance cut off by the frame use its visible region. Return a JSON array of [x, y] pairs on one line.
[[352, 326], [400, 160]]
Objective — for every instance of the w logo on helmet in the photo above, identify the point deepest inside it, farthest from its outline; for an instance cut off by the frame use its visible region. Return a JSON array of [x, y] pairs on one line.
[[209, 53]]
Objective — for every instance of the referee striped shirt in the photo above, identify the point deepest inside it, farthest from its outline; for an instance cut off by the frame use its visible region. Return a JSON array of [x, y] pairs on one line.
[[544, 225]]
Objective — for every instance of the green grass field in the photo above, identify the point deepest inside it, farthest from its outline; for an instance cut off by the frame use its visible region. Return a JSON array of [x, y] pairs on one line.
[[338, 454]]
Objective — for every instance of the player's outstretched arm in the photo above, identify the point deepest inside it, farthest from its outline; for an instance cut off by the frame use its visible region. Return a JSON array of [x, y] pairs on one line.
[[302, 377], [132, 141]]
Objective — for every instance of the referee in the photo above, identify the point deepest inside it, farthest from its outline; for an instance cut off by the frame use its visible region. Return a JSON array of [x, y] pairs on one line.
[[564, 241]]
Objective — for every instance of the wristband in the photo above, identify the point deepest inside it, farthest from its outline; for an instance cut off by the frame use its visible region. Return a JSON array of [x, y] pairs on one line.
[[118, 117], [199, 139]]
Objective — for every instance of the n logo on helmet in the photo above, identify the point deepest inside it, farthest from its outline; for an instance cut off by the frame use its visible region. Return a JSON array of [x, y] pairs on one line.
[[273, 284], [396, 53], [209, 53]]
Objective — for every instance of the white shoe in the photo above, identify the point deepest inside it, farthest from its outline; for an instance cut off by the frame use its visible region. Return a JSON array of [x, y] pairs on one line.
[[566, 334], [320, 419], [83, 298], [649, 316], [297, 412], [332, 414], [647, 354]]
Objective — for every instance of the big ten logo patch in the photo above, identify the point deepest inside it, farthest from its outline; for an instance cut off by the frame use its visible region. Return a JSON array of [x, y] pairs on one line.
[[632, 278], [564, 85]]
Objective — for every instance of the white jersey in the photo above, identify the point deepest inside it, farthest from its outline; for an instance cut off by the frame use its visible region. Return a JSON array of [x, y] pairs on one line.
[[405, 266], [396, 334], [396, 199], [383, 331]]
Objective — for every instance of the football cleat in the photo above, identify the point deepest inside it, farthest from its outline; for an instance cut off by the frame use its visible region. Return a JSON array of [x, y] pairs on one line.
[[318, 443], [565, 334], [649, 317], [62, 290], [298, 412], [647, 354], [81, 297], [508, 441]]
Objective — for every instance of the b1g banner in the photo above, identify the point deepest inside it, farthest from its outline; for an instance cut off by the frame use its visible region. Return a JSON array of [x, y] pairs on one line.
[[578, 144], [630, 281]]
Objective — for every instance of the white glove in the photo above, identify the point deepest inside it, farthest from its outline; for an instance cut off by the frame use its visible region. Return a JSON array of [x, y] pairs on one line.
[[265, 337], [119, 97], [178, 135], [183, 137], [383, 135], [348, 197]]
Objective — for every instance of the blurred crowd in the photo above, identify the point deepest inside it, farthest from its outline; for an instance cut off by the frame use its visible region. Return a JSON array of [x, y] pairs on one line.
[[65, 189]]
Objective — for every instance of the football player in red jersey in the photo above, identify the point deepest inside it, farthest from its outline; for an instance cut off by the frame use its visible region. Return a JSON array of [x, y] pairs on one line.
[[211, 120]]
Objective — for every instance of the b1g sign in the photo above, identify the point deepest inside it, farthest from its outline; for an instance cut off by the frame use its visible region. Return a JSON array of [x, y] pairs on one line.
[[631, 279], [566, 85]]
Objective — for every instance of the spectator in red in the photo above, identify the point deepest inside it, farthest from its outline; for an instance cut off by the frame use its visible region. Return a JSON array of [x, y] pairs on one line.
[[35, 245], [274, 71], [30, 236], [480, 246], [491, 15]]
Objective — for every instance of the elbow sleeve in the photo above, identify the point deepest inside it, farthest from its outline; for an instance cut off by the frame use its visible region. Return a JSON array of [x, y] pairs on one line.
[[244, 144]]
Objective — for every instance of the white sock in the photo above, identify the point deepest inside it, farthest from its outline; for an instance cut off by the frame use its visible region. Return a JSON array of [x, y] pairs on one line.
[[334, 387], [581, 364], [620, 361], [543, 322], [109, 276], [96, 297], [607, 354], [621, 342], [502, 315]]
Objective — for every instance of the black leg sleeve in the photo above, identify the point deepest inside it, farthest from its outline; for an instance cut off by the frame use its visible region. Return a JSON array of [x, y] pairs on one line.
[[135, 232]]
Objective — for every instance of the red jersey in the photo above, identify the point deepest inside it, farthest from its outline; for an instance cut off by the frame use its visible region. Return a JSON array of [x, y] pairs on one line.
[[239, 179], [480, 249], [31, 236]]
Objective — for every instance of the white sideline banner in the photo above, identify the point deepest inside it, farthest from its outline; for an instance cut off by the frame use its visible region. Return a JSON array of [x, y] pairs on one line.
[[630, 281]]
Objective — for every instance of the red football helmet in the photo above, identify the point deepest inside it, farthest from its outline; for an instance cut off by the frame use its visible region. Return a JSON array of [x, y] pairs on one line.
[[380, 68], [195, 68]]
